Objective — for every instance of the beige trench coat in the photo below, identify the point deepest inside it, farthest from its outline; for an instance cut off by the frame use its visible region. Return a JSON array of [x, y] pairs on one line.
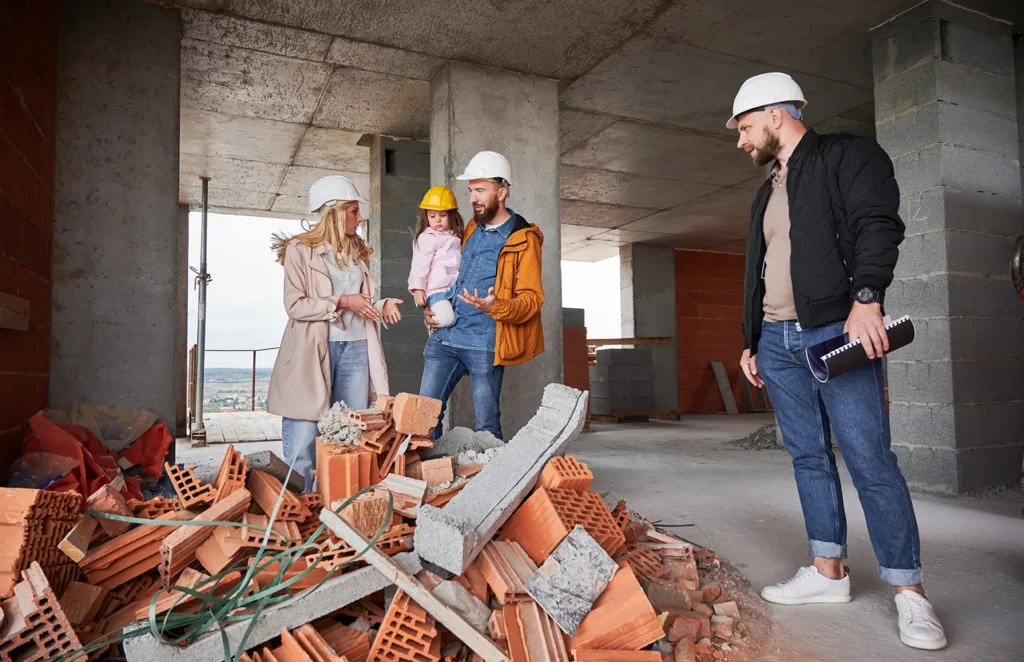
[[300, 385]]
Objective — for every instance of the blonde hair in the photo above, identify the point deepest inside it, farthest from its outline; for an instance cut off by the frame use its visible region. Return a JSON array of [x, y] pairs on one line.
[[329, 230]]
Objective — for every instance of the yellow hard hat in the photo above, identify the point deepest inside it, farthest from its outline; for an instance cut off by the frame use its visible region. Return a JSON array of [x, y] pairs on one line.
[[439, 198]]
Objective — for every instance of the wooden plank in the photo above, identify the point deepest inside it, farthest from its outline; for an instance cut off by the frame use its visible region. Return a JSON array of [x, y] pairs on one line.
[[13, 312], [480, 644], [724, 387], [76, 542]]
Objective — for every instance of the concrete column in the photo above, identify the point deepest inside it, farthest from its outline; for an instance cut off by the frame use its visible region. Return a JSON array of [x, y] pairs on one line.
[[116, 231], [946, 111], [472, 109], [647, 276], [399, 176], [183, 284]]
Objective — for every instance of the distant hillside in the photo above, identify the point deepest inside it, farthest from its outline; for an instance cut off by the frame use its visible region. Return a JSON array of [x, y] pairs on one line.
[[236, 374]]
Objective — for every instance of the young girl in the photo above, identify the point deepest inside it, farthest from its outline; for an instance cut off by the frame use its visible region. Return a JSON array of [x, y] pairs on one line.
[[436, 254], [331, 350]]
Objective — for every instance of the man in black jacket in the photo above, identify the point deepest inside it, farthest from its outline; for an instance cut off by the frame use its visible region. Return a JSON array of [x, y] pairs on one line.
[[823, 243]]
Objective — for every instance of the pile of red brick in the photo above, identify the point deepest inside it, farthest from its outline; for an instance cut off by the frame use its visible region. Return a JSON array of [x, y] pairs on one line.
[[658, 605]]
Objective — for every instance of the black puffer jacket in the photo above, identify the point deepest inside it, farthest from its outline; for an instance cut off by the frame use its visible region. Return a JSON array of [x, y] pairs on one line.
[[844, 229]]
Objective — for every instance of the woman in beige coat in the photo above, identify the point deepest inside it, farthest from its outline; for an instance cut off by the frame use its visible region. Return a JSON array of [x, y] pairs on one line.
[[331, 350]]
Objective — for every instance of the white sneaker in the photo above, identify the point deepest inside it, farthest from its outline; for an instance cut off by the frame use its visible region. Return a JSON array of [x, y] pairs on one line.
[[919, 626], [808, 586]]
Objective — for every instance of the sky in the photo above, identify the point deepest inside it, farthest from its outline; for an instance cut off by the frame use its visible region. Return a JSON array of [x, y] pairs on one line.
[[244, 299]]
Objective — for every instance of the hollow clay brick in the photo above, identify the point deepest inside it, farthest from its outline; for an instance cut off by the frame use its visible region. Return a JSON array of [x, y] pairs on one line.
[[35, 627], [108, 500], [407, 634], [646, 564], [622, 617], [566, 473], [415, 414], [178, 549], [438, 471], [192, 491], [267, 490], [232, 473], [507, 568]]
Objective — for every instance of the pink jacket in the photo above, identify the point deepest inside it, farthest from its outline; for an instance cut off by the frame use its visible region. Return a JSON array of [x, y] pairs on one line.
[[300, 385], [436, 257]]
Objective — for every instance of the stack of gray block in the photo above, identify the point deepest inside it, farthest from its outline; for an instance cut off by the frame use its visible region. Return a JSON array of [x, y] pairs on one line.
[[622, 381]]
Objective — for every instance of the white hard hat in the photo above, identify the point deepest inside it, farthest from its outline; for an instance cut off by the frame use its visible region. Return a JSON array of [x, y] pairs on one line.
[[765, 90], [333, 188], [487, 165]]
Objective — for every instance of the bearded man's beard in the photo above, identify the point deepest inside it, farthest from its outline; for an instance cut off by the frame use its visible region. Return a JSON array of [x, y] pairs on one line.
[[487, 214], [769, 150]]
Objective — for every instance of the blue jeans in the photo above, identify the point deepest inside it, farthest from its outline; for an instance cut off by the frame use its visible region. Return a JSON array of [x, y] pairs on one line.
[[854, 405], [350, 383], [444, 366]]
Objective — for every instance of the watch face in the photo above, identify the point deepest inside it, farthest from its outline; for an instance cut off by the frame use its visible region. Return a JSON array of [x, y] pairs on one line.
[[865, 295]]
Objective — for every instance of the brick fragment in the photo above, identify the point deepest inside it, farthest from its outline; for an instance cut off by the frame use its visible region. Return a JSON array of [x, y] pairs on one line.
[[469, 470], [81, 603], [496, 625], [282, 534], [722, 627], [728, 608], [685, 651], [130, 554], [385, 404], [621, 619], [108, 500], [438, 471], [378, 441], [541, 635], [351, 643], [34, 625], [566, 473], [415, 414], [691, 622], [586, 655], [543, 521], [232, 473], [335, 552], [178, 549], [156, 507], [407, 493], [222, 549], [267, 490], [646, 564], [368, 419], [367, 514], [341, 471], [506, 567], [314, 645], [439, 499], [407, 634], [32, 525], [192, 491]]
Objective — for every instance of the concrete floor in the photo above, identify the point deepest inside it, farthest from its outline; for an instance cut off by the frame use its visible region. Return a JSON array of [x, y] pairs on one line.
[[745, 507]]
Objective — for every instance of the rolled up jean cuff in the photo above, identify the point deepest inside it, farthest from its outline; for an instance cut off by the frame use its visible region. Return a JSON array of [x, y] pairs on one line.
[[897, 577], [826, 550]]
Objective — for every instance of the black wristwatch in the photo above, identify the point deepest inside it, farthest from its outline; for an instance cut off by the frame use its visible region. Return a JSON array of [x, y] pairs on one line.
[[868, 294]]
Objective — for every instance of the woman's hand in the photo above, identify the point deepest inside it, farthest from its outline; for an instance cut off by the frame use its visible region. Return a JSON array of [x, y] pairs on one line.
[[391, 313], [361, 305]]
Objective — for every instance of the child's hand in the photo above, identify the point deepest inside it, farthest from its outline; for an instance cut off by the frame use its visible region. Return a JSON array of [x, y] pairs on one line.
[[420, 297]]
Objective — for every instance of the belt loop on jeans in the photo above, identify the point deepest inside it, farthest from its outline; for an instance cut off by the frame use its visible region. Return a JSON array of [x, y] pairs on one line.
[[798, 329]]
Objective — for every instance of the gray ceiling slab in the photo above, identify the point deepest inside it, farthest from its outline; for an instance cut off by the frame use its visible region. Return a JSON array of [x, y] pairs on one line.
[[232, 173], [276, 39], [225, 197], [332, 149], [557, 39], [679, 84], [298, 180], [577, 126], [237, 81], [729, 203], [591, 251], [572, 234], [661, 152], [597, 215], [621, 237], [383, 59], [680, 221], [291, 204], [227, 136], [376, 103], [619, 188]]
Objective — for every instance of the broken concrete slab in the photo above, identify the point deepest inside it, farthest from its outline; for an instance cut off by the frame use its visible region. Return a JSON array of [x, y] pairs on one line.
[[452, 537], [460, 440], [269, 462], [569, 582], [309, 606], [461, 600]]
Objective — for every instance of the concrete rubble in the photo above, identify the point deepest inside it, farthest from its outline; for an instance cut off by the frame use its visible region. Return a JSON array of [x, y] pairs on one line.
[[486, 552]]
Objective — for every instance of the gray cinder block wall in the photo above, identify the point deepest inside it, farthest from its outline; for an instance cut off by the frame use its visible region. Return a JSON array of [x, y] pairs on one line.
[[399, 176], [947, 113], [647, 276], [116, 260]]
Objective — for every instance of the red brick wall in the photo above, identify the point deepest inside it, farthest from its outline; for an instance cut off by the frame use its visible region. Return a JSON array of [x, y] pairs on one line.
[[709, 312], [28, 100]]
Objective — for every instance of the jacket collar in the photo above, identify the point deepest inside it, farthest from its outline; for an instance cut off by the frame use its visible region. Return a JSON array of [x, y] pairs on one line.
[[806, 144]]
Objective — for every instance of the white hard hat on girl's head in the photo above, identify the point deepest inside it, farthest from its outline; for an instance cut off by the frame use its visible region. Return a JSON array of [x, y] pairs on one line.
[[765, 90], [333, 188], [487, 165]]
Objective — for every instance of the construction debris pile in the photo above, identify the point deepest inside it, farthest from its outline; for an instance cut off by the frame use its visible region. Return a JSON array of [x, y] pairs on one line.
[[409, 551]]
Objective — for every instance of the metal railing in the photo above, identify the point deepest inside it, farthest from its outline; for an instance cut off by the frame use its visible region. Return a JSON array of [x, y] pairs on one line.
[[193, 370]]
